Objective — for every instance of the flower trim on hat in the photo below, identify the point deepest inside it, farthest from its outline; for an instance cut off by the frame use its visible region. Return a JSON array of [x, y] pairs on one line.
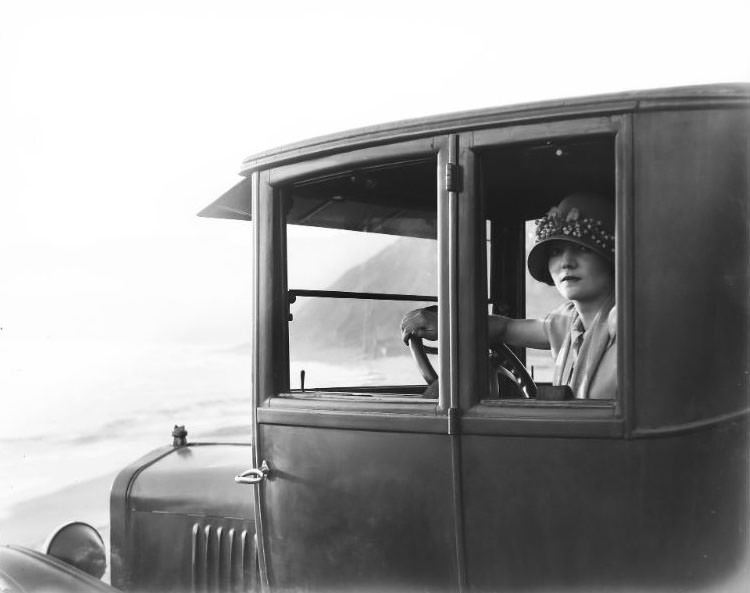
[[587, 229]]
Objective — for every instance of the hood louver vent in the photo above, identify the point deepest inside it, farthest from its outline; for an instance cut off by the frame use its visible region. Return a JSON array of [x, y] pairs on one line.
[[224, 560]]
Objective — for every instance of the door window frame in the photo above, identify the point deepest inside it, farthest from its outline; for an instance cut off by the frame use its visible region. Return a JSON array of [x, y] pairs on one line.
[[273, 401], [603, 418]]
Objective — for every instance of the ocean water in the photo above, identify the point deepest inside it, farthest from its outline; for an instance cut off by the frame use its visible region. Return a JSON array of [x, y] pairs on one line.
[[73, 411]]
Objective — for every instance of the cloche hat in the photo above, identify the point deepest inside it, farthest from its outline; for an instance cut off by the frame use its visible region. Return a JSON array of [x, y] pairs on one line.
[[581, 218]]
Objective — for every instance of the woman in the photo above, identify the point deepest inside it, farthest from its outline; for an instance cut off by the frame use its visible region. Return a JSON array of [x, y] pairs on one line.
[[574, 251]]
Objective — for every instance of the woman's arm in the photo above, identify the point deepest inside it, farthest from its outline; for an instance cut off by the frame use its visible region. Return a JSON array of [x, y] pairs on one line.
[[528, 333], [422, 323]]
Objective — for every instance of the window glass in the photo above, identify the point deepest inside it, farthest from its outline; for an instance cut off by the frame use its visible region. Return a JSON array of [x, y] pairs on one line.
[[342, 342], [362, 252]]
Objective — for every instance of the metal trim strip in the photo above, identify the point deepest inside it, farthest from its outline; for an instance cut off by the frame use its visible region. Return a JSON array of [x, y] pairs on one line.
[[354, 420], [256, 380], [548, 427], [688, 427], [625, 269]]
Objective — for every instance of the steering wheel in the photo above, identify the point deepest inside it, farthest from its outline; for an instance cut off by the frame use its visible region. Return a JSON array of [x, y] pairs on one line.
[[508, 376]]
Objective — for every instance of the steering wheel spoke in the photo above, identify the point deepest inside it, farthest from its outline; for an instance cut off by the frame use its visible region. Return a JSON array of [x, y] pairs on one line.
[[419, 352], [504, 363]]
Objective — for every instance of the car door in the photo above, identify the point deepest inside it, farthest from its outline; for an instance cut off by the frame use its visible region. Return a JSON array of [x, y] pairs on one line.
[[360, 484], [545, 484]]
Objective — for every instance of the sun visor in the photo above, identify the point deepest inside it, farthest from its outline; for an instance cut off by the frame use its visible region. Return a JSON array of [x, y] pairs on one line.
[[234, 203]]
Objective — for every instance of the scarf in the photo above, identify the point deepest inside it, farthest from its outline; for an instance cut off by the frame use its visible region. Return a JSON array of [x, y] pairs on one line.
[[582, 351]]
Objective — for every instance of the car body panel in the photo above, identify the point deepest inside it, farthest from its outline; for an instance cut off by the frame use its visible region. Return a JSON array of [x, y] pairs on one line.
[[23, 570], [179, 520], [626, 514], [356, 490]]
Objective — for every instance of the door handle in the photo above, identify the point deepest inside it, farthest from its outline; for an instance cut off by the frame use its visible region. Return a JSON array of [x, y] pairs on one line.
[[253, 475]]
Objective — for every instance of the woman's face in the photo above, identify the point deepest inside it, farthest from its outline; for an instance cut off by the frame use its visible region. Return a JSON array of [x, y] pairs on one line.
[[579, 273]]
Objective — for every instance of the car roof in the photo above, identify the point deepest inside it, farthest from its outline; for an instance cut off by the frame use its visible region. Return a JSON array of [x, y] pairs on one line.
[[720, 94]]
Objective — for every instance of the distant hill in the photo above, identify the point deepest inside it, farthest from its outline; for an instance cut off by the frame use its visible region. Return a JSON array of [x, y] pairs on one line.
[[369, 327]]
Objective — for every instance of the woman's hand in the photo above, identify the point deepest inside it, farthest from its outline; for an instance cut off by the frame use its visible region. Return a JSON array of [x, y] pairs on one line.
[[420, 323]]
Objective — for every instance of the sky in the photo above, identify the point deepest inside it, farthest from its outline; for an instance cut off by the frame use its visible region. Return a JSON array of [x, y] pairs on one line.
[[119, 121]]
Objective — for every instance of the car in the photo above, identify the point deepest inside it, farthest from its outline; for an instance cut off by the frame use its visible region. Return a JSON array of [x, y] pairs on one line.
[[73, 561], [357, 476]]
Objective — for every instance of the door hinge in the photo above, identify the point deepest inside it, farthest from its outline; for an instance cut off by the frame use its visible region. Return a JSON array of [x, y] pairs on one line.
[[452, 177]]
